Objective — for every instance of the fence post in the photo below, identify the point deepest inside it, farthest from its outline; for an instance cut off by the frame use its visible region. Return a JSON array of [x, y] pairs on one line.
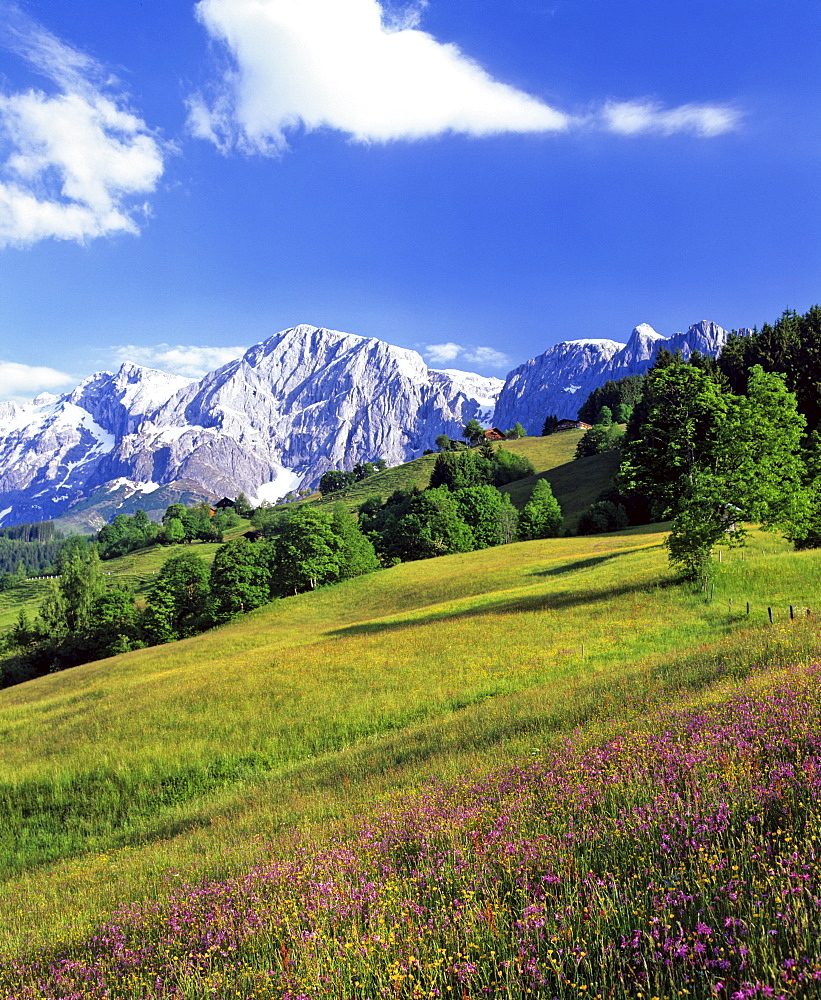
[[748, 607], [770, 613]]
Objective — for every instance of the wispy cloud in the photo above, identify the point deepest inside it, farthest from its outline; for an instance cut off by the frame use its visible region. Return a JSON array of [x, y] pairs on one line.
[[366, 69], [359, 66], [21, 382], [75, 163], [443, 354], [640, 117], [190, 361]]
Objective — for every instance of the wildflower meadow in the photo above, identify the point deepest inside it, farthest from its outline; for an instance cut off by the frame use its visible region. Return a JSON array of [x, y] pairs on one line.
[[677, 858]]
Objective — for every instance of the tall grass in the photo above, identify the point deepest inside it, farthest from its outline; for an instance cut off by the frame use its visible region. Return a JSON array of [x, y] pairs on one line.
[[198, 756]]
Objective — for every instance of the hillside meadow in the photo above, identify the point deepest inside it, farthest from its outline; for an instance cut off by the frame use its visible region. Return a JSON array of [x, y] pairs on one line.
[[280, 732], [546, 453]]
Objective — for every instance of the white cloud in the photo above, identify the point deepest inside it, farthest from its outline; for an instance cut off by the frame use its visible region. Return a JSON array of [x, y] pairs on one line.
[[350, 65], [488, 357], [638, 117], [76, 163], [438, 354], [364, 68], [190, 361], [21, 382]]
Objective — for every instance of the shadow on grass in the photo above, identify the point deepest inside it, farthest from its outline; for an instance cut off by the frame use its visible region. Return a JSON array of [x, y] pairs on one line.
[[560, 601], [578, 565]]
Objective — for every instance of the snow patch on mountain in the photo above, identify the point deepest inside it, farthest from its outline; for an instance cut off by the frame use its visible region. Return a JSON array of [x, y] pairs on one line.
[[286, 481], [304, 401]]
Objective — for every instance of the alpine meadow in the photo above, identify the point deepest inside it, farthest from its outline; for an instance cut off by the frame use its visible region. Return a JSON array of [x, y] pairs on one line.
[[410, 500]]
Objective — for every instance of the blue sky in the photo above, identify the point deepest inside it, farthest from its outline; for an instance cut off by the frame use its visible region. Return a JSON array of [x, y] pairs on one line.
[[475, 179]]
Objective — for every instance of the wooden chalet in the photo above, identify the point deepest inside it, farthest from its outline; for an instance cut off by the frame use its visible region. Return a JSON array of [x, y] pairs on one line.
[[494, 434], [572, 425]]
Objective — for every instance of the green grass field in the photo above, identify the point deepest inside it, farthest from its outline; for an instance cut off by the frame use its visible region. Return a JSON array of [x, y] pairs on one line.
[[201, 758]]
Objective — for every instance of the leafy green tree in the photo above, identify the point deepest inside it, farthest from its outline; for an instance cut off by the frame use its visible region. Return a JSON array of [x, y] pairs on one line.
[[240, 579], [791, 347], [541, 516], [602, 516], [442, 442], [807, 535], [174, 533], [177, 604], [307, 553], [114, 624], [712, 460], [357, 554], [456, 470], [625, 391], [473, 432], [125, 534], [334, 480], [516, 431], [488, 513], [242, 505], [508, 467], [623, 413], [598, 439], [414, 525], [605, 416], [74, 545], [68, 606]]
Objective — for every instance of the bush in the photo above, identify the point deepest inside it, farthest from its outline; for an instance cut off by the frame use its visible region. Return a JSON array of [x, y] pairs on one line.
[[604, 515], [598, 439]]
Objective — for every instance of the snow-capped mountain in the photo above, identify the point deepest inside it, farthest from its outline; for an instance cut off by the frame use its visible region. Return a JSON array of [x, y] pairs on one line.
[[560, 380], [304, 401]]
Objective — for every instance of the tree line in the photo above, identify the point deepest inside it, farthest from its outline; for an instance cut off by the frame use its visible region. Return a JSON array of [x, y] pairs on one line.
[[713, 444]]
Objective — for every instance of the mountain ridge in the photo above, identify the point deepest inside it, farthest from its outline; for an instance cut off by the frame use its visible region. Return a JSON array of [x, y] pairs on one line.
[[305, 400]]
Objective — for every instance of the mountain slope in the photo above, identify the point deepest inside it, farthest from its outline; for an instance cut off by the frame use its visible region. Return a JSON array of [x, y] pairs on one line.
[[302, 402], [560, 380]]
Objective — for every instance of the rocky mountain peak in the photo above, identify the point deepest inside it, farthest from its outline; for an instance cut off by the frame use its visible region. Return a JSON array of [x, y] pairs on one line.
[[559, 380]]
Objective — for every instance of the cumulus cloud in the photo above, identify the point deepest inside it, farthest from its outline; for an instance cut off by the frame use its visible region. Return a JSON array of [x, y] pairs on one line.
[[365, 68], [21, 382], [193, 362], [358, 66], [442, 354], [639, 117], [439, 354], [75, 163]]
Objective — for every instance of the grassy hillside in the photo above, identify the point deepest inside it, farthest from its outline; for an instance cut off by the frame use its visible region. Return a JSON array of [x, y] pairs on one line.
[[576, 484], [201, 758], [544, 452]]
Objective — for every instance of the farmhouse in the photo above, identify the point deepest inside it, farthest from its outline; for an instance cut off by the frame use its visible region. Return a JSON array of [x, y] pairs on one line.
[[572, 425], [494, 434]]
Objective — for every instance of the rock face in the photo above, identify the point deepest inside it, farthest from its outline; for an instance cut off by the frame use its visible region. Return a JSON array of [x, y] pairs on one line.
[[304, 401], [560, 380]]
